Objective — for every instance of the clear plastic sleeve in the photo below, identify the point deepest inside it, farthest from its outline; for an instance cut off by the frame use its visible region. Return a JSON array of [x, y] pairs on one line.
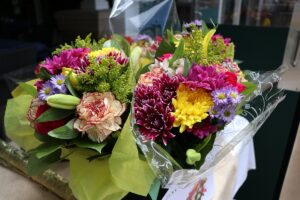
[[257, 108], [151, 17]]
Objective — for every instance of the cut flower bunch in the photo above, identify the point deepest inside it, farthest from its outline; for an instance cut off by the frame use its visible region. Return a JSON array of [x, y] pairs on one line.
[[94, 101]]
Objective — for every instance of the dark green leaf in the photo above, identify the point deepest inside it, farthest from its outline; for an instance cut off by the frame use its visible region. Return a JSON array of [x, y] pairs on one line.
[[29, 89], [43, 74], [45, 149], [205, 150], [123, 43], [178, 53], [53, 114], [45, 138], [164, 47], [154, 190], [36, 166], [65, 132], [203, 144], [70, 87], [82, 143]]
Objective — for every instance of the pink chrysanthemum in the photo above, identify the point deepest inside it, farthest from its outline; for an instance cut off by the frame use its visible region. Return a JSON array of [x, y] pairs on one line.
[[74, 58], [205, 77]]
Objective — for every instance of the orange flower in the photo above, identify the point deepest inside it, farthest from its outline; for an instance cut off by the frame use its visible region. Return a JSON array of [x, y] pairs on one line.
[[99, 114]]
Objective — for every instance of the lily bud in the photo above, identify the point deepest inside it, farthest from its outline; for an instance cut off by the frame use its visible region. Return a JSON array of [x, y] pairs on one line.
[[73, 76], [63, 101], [192, 156]]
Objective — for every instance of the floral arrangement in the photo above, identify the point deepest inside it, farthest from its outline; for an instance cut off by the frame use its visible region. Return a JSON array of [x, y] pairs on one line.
[[93, 100], [193, 90]]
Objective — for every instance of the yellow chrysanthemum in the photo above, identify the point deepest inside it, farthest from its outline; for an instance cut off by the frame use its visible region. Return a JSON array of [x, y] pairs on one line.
[[190, 107], [103, 52]]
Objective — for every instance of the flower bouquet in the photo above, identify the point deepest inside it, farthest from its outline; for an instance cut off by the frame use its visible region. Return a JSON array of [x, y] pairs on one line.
[[94, 101]]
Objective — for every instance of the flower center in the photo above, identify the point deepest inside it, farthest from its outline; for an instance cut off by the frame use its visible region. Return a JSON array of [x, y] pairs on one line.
[[227, 113], [233, 95], [96, 108], [47, 90], [221, 96], [59, 82]]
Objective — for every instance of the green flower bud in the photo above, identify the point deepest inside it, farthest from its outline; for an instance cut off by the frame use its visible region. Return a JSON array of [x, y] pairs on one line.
[[192, 156], [63, 101]]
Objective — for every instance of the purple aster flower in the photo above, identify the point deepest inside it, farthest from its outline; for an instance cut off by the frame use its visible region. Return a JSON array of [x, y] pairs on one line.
[[58, 83], [220, 96], [205, 77], [46, 91], [196, 22], [233, 95], [228, 113], [216, 111]]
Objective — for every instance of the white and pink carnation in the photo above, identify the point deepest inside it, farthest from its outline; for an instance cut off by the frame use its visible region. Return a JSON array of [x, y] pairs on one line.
[[99, 115]]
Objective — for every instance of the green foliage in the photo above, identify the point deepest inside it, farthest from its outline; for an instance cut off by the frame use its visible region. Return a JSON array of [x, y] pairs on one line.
[[165, 47], [86, 143], [70, 87], [154, 190], [65, 132], [45, 149], [43, 74], [178, 52], [86, 42], [105, 76], [217, 52], [53, 114]]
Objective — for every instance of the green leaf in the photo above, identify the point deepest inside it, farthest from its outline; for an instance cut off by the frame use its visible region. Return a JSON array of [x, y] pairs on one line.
[[123, 43], [187, 66], [36, 166], [90, 145], [45, 138], [250, 88], [205, 28], [154, 190], [45, 149], [170, 36], [164, 47], [142, 70], [65, 132], [53, 114], [43, 74], [69, 85], [29, 89], [203, 144], [205, 150], [178, 53]]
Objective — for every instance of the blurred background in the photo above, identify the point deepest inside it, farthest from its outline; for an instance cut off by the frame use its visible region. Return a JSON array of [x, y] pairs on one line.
[[31, 29]]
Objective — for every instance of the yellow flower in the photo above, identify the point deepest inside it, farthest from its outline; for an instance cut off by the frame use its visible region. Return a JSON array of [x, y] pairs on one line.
[[190, 107], [73, 76], [103, 52]]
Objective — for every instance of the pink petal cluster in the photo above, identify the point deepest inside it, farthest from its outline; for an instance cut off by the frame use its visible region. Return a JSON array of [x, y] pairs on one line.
[[203, 129], [74, 58], [205, 77], [147, 78], [99, 114]]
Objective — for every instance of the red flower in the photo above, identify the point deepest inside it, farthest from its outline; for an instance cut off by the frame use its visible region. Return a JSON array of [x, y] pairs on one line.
[[129, 39], [231, 78], [37, 108]]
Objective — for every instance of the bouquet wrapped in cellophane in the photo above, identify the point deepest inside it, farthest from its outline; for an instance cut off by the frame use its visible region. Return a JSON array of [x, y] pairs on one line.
[[131, 114]]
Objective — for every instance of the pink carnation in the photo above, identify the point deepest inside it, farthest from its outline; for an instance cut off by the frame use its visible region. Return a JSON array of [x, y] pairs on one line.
[[99, 114], [147, 78]]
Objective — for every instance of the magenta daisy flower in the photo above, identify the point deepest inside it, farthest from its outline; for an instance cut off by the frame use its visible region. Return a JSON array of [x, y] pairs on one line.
[[205, 77]]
